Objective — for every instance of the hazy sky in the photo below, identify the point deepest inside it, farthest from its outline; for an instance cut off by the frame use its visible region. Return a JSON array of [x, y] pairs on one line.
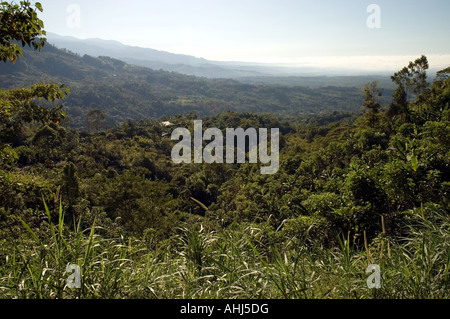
[[291, 31]]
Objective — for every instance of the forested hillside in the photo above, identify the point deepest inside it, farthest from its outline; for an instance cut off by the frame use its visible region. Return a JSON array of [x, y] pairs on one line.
[[126, 92], [364, 188]]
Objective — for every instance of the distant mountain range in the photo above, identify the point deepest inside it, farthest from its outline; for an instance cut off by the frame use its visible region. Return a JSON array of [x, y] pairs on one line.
[[252, 73], [158, 60], [129, 92]]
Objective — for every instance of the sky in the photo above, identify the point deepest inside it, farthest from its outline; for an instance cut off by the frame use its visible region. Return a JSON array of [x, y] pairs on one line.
[[329, 33]]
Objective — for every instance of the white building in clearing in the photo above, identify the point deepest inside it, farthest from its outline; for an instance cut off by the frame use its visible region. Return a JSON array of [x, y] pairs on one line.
[[166, 124]]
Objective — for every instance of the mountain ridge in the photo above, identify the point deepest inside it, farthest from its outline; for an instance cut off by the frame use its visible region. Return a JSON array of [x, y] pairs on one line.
[[148, 57], [128, 92], [191, 65]]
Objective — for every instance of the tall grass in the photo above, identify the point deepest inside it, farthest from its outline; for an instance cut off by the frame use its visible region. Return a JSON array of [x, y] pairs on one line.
[[35, 267], [234, 263], [420, 263]]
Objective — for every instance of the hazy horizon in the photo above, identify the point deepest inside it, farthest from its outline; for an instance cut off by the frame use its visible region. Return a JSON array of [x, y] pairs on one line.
[[320, 34]]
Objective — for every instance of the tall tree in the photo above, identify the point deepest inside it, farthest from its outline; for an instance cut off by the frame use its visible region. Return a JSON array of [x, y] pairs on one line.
[[412, 82], [19, 23], [94, 120], [70, 186], [372, 101]]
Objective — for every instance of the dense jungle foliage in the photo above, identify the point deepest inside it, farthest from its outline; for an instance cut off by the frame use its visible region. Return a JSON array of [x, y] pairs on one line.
[[352, 190]]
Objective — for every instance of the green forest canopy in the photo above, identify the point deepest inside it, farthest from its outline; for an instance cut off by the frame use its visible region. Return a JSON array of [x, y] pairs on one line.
[[370, 180]]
